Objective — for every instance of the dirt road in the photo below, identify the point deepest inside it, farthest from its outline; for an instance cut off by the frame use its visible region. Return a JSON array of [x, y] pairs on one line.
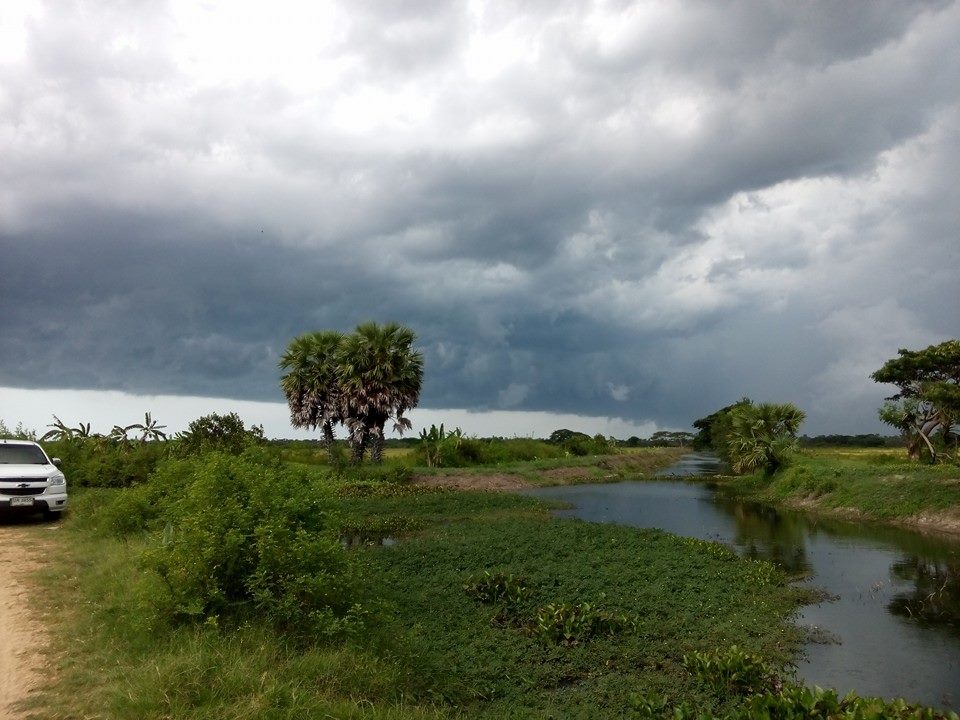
[[21, 636]]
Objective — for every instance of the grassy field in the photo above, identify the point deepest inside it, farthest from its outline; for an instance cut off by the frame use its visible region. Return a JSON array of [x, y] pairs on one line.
[[629, 463], [877, 484], [430, 649]]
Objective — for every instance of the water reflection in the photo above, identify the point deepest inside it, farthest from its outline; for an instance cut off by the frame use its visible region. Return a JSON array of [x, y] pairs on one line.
[[762, 532], [934, 595]]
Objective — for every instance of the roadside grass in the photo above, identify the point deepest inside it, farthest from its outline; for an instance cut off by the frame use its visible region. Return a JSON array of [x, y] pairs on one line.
[[433, 651], [880, 483]]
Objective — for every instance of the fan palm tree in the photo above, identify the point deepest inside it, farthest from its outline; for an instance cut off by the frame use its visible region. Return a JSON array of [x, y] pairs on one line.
[[380, 376], [763, 436], [310, 382]]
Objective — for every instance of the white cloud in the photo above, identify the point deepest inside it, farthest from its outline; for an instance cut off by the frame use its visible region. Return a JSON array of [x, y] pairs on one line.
[[104, 409]]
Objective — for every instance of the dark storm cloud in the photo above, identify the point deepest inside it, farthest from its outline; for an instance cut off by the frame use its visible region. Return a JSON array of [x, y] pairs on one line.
[[641, 211]]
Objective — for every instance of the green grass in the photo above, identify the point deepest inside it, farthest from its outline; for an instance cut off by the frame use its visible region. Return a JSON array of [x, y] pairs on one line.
[[631, 463], [686, 595], [433, 651], [880, 484]]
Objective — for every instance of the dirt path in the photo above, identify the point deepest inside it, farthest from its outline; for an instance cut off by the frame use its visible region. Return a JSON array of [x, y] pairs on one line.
[[21, 637]]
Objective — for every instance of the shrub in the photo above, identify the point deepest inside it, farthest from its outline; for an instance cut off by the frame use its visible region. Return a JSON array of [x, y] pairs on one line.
[[581, 445], [17, 433], [490, 587], [758, 693], [732, 672], [571, 624], [243, 539], [218, 433], [454, 449], [100, 462]]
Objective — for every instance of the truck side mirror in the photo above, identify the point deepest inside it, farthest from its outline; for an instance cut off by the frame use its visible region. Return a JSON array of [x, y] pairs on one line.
[[56, 461]]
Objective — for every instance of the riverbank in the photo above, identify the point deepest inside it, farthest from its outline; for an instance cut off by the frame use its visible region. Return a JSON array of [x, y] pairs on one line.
[[863, 484], [631, 464], [634, 602]]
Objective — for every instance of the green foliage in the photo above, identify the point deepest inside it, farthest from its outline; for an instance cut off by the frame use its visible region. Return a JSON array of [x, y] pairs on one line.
[[762, 437], [671, 438], [754, 690], [573, 623], [18, 433], [795, 701], [733, 671], [580, 444], [101, 462], [491, 588], [361, 380], [436, 444], [713, 429], [242, 539], [453, 449], [591, 655], [927, 399], [218, 433], [883, 485]]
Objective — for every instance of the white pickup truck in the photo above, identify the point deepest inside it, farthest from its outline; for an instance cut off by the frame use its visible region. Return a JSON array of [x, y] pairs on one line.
[[29, 480]]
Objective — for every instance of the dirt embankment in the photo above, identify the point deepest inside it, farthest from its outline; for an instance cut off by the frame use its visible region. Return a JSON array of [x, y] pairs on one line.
[[468, 481], [22, 638], [936, 522]]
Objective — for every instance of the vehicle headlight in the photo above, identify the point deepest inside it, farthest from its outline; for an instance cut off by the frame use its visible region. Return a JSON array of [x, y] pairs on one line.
[[58, 480]]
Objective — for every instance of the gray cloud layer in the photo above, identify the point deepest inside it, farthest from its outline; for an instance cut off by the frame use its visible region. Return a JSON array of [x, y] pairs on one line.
[[633, 210]]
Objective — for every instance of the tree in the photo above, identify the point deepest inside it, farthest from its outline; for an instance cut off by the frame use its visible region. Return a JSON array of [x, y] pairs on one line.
[[215, 432], [715, 427], [762, 436], [671, 438], [928, 397], [311, 384], [380, 375]]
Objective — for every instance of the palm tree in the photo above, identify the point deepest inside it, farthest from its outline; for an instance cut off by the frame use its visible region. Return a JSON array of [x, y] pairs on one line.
[[310, 382], [762, 436], [380, 376]]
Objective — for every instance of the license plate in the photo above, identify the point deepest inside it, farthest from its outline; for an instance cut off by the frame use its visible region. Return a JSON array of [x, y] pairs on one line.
[[21, 501]]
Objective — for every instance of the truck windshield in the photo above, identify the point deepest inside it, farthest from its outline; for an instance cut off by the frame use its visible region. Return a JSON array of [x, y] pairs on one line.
[[21, 455]]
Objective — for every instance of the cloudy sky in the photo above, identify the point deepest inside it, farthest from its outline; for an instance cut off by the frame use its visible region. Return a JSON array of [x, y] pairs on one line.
[[617, 214]]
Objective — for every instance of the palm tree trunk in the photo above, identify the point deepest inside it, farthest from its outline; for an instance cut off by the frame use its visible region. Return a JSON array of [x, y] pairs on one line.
[[360, 448], [376, 448], [328, 439]]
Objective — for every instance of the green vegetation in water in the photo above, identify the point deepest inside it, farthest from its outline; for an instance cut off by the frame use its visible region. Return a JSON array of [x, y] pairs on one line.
[[252, 629], [755, 689]]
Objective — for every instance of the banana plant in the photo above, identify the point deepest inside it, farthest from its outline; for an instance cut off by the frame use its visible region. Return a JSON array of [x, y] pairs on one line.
[[149, 429], [59, 431]]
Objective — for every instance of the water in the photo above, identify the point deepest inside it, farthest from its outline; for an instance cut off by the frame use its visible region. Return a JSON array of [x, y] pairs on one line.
[[893, 629]]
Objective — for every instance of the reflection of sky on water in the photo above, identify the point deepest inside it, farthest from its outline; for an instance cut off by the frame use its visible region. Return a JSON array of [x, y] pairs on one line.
[[897, 615]]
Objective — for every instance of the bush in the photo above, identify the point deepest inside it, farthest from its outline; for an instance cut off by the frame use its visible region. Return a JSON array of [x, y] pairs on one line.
[[99, 462], [759, 693], [218, 433], [571, 624], [453, 449], [244, 539], [581, 444]]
